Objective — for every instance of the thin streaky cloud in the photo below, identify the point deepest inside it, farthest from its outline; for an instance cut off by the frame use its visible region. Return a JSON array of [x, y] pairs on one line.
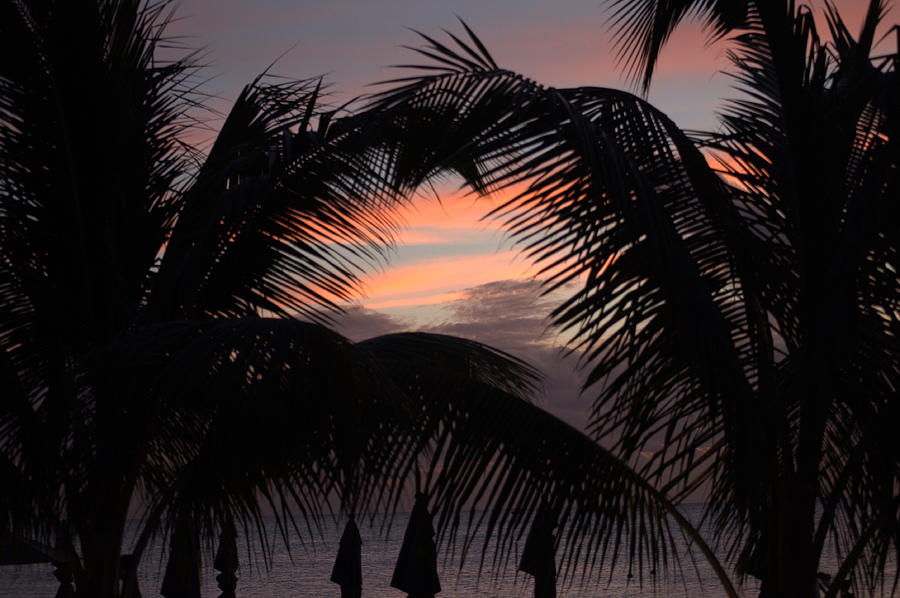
[[435, 276]]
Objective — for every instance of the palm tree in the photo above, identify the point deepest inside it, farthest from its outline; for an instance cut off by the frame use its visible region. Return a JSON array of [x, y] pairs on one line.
[[154, 355], [739, 307], [161, 318]]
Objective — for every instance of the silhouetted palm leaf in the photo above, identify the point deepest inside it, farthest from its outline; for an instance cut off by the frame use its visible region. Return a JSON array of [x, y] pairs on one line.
[[492, 448], [277, 218], [644, 26]]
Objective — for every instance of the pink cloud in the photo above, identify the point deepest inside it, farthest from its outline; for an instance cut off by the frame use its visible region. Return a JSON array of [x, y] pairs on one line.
[[424, 299], [432, 281]]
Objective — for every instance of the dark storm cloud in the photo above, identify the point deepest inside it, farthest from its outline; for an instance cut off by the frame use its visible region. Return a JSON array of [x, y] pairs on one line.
[[511, 315]]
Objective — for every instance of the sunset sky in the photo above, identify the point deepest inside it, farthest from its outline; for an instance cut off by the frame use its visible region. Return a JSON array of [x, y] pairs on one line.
[[452, 271]]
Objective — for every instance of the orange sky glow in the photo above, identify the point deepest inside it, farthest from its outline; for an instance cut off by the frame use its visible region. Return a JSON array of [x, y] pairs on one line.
[[444, 247]]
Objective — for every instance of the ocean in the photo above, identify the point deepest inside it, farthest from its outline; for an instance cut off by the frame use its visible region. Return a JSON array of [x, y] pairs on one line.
[[305, 572]]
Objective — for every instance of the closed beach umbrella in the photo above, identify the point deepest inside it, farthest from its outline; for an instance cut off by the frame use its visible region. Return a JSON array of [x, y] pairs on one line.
[[347, 571], [182, 578], [416, 570], [539, 554], [226, 560]]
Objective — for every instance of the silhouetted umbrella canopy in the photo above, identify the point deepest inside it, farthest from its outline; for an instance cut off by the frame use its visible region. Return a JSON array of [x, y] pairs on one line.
[[416, 569], [347, 571], [226, 555], [539, 554]]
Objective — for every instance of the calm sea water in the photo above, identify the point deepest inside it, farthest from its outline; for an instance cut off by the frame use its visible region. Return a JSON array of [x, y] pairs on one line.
[[306, 571]]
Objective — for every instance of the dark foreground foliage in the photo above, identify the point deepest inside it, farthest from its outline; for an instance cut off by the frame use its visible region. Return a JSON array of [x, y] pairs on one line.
[[163, 343]]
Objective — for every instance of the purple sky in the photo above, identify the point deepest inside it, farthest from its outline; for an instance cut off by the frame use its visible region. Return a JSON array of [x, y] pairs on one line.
[[452, 272]]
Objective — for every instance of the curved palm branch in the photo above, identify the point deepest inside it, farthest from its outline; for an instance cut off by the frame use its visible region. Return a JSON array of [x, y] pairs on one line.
[[598, 203], [231, 415], [489, 446]]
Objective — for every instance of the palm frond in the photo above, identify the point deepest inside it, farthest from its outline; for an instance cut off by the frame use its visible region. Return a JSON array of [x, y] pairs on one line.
[[642, 28], [280, 218]]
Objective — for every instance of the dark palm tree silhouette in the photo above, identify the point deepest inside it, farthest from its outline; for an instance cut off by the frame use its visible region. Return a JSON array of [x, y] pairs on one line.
[[739, 307], [151, 347], [152, 353], [164, 347]]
